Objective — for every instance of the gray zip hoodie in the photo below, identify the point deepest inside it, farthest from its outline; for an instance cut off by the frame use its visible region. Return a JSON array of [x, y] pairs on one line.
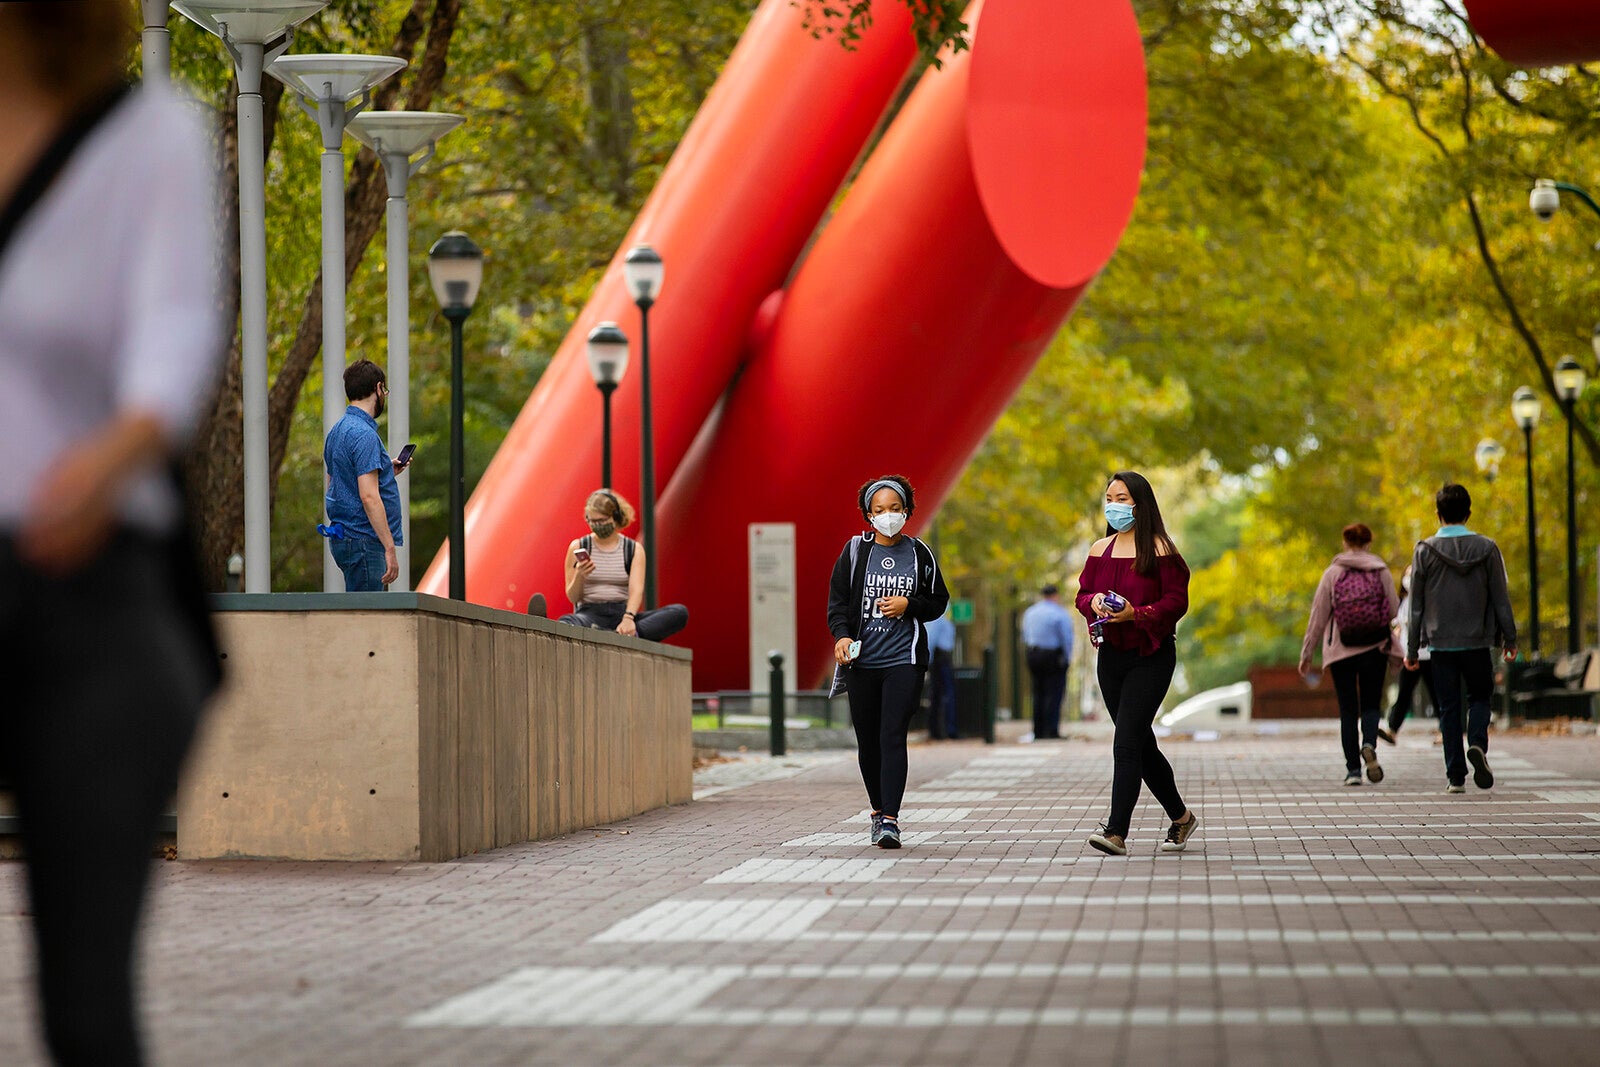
[[1458, 596]]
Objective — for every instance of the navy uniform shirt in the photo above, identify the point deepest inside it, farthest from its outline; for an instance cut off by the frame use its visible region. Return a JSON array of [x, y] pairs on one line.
[[887, 642]]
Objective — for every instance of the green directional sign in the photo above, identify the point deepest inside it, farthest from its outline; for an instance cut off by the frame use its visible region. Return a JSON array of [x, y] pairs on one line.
[[961, 611]]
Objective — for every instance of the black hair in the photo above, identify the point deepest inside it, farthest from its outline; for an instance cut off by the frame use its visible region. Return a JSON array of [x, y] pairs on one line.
[[1149, 532], [362, 378], [1049, 590], [906, 491], [1454, 503]]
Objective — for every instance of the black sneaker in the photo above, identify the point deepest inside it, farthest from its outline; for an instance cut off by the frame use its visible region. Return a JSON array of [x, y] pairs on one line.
[[877, 828], [889, 834], [537, 607], [1482, 776], [1386, 735], [1455, 787], [1353, 778], [1369, 756]]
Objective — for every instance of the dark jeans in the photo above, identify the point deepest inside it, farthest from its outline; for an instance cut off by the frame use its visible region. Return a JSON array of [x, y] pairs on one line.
[[657, 625], [942, 695], [1475, 668], [1048, 668], [1407, 694], [1358, 682], [882, 702], [361, 560], [1134, 687], [104, 684]]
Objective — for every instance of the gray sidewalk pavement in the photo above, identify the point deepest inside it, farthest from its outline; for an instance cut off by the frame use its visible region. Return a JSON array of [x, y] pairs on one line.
[[1307, 924]]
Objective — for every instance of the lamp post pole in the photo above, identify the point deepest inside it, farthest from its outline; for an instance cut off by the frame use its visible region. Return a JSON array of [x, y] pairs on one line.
[[606, 389], [458, 457], [253, 32], [397, 137], [155, 42], [1570, 379], [333, 89], [1525, 412], [455, 266], [645, 273]]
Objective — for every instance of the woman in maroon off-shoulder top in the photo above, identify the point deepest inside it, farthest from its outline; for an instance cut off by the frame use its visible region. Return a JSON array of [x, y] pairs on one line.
[[1138, 562]]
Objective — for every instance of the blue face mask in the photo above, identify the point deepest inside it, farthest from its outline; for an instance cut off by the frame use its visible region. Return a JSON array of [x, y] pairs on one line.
[[1120, 516]]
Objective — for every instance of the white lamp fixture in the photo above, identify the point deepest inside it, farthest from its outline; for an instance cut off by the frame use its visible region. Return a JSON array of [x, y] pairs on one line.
[[1570, 380], [455, 267], [397, 136], [250, 29], [607, 350], [1488, 455], [643, 269], [1545, 199], [1525, 408], [332, 89]]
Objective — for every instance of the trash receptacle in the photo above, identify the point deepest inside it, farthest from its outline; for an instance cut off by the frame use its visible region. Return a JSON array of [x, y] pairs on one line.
[[971, 692]]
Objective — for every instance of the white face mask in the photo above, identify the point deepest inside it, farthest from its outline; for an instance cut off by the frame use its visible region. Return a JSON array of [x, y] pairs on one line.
[[888, 523]]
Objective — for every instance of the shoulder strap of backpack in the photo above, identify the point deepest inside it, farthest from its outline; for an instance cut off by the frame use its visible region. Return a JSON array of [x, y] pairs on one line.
[[628, 545], [586, 542]]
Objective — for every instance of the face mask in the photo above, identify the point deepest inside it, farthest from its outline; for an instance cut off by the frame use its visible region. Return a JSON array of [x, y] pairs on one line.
[[602, 528], [889, 523], [1120, 516]]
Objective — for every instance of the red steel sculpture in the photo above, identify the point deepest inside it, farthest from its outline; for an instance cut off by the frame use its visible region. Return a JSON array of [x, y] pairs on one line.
[[785, 378]]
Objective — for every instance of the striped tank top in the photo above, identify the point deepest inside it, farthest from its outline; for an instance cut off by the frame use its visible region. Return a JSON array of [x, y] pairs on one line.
[[609, 582]]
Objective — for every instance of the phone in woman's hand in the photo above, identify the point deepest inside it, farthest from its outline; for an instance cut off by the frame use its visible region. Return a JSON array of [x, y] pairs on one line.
[[580, 555]]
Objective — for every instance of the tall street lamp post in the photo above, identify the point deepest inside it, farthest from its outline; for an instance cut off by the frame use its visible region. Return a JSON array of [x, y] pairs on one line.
[[455, 266], [645, 272], [1525, 410], [333, 89], [155, 41], [1570, 380], [254, 33], [608, 362], [397, 137]]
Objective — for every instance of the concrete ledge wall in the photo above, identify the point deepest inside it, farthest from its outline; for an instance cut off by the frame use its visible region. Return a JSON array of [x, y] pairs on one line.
[[405, 727]]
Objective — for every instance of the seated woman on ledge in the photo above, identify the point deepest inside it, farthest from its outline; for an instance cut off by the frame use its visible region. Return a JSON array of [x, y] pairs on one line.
[[605, 576]]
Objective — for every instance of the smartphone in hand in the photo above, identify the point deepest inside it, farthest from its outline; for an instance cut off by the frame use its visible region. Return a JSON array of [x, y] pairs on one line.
[[852, 652], [404, 458], [581, 555]]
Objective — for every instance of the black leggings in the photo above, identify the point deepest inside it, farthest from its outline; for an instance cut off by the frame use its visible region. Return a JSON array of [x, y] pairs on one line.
[[881, 705], [656, 625], [1134, 687], [1358, 681], [105, 685], [1406, 696]]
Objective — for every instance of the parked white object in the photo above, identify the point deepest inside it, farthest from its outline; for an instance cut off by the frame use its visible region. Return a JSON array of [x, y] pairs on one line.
[[1215, 709]]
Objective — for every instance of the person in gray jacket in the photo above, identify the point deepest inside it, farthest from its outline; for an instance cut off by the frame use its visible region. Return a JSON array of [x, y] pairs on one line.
[[1460, 609]]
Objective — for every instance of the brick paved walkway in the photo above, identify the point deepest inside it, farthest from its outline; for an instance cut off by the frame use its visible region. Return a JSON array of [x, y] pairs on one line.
[[1308, 924]]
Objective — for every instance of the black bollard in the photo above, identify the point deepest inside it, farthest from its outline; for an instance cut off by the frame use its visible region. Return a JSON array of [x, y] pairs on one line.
[[776, 702], [991, 694]]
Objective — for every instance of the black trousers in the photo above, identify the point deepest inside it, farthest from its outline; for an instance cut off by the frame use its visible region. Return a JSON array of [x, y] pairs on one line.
[[1048, 669], [656, 625], [1407, 694], [105, 682], [942, 695], [1134, 687], [881, 705], [1358, 683], [1474, 668]]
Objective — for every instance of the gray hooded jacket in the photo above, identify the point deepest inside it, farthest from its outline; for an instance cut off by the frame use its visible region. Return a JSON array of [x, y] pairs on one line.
[[1458, 596]]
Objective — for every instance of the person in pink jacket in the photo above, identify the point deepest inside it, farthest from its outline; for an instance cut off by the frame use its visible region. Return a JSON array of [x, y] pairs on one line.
[[1350, 614]]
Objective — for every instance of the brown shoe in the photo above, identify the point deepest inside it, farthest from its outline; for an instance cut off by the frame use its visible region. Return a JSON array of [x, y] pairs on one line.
[[1178, 834], [1110, 844]]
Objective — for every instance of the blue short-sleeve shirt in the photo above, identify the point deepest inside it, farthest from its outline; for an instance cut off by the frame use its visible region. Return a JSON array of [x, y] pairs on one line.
[[354, 448]]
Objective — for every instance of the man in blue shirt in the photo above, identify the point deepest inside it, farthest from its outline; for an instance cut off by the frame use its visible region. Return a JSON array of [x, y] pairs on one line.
[[1047, 639], [363, 499], [942, 678]]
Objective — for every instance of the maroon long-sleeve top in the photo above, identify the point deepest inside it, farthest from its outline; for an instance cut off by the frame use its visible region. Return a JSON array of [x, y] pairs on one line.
[[1159, 600]]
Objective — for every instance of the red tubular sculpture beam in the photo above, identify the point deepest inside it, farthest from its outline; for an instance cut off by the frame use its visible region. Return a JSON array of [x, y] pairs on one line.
[[996, 195], [734, 208], [1539, 33]]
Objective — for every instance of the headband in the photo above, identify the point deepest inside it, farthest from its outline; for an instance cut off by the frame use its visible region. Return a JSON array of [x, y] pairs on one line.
[[882, 483]]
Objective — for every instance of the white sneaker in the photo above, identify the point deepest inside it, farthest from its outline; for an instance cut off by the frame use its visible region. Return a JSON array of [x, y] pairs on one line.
[[1453, 788], [1353, 778]]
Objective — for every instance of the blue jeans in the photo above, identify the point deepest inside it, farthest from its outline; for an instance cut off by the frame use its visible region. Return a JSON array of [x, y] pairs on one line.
[[1475, 667], [361, 560]]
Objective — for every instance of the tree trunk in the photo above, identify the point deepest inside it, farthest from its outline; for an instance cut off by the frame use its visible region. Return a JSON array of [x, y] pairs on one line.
[[610, 125]]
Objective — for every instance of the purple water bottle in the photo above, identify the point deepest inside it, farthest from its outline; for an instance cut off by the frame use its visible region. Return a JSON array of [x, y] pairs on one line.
[[1114, 604]]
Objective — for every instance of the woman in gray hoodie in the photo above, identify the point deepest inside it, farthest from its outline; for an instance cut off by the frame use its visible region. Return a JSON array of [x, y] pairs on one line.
[[1350, 616]]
